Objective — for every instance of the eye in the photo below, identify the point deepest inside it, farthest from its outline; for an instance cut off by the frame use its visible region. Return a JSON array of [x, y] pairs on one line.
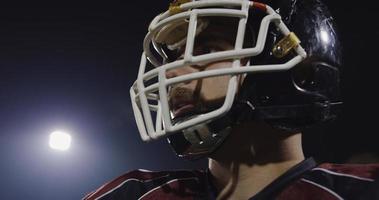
[[206, 48], [202, 48]]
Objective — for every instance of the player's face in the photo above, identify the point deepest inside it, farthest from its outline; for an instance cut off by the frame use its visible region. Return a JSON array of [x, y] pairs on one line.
[[202, 95]]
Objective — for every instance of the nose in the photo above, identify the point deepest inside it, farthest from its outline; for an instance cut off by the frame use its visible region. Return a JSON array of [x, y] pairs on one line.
[[172, 73], [180, 71]]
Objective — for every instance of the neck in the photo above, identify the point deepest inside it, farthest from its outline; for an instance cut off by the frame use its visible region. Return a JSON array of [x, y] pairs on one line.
[[246, 171]]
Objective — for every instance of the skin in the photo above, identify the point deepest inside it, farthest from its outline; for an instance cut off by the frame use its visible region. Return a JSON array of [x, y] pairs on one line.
[[252, 157], [254, 154], [208, 92]]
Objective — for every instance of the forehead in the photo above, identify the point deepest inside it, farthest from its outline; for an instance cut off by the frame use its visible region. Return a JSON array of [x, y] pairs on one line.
[[220, 28]]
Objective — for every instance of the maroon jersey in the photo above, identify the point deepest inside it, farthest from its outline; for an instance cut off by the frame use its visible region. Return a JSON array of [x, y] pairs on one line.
[[305, 181]]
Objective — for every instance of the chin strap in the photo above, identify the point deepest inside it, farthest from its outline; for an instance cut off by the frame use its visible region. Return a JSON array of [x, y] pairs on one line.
[[290, 117], [201, 140]]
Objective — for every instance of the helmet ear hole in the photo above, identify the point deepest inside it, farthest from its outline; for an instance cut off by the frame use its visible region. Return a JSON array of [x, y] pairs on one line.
[[303, 75], [316, 76]]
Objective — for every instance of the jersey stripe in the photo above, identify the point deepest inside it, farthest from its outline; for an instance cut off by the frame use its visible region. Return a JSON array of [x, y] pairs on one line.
[[121, 184], [342, 174], [322, 187], [140, 177], [171, 181]]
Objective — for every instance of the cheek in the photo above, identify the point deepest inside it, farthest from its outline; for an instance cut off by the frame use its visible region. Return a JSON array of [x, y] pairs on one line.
[[215, 88]]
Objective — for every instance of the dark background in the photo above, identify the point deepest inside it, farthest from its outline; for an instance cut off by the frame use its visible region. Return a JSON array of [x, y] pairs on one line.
[[69, 66]]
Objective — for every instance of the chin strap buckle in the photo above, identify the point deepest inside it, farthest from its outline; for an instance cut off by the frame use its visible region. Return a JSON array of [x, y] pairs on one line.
[[175, 8], [285, 45]]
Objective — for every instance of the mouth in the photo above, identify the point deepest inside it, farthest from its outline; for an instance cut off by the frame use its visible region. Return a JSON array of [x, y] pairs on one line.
[[187, 109], [183, 109]]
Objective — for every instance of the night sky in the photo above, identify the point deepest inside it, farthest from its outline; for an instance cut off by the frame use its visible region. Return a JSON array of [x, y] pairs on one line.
[[69, 66]]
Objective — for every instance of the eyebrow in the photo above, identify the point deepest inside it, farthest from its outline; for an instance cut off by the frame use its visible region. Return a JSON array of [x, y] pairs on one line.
[[211, 37]]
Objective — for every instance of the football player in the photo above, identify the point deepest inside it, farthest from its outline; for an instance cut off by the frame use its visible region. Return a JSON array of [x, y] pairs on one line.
[[236, 81]]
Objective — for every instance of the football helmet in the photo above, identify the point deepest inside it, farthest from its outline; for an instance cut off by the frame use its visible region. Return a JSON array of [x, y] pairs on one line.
[[290, 81]]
